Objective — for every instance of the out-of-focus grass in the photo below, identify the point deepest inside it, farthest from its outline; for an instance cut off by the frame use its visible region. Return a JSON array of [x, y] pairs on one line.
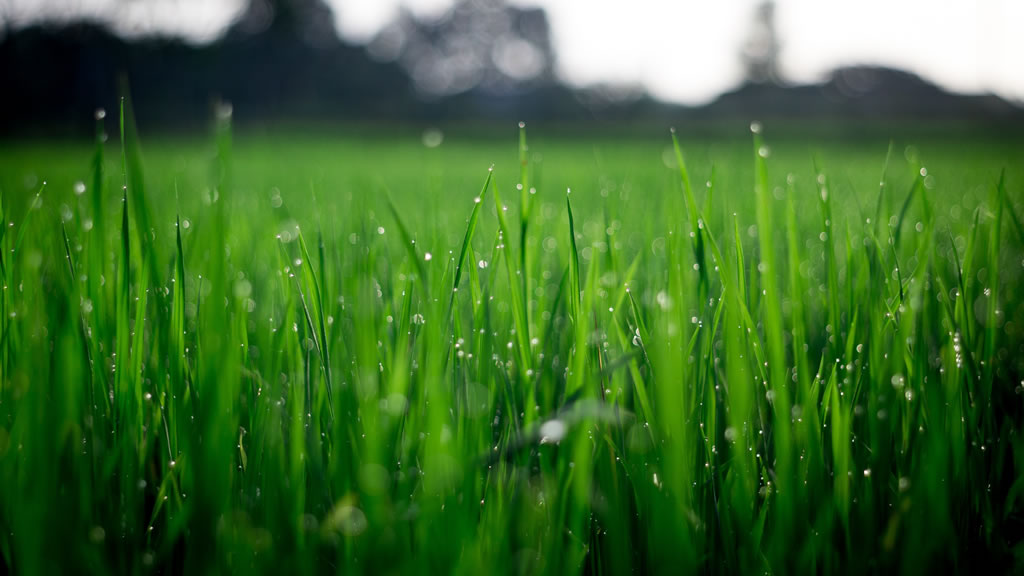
[[274, 354]]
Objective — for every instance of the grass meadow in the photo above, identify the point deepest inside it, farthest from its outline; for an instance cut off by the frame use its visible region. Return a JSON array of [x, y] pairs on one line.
[[520, 352]]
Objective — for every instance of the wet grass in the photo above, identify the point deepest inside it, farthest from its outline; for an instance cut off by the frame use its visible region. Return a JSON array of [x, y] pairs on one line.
[[242, 354]]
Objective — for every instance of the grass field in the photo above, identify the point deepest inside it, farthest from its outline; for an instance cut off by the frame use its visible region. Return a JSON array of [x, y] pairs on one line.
[[291, 354]]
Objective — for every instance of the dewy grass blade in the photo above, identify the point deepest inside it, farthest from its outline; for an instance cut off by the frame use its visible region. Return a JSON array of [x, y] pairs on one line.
[[323, 343], [468, 238], [574, 267]]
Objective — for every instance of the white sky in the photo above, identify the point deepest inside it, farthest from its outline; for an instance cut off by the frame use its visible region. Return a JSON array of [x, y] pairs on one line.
[[681, 50]]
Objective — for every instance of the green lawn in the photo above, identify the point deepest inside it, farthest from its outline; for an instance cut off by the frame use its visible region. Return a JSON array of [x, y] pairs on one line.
[[357, 354]]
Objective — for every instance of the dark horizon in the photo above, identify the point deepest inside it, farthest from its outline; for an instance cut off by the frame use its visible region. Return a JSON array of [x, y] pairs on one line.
[[288, 66]]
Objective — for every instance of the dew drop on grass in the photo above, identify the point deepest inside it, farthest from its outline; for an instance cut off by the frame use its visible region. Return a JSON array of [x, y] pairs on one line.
[[663, 300], [552, 431], [432, 138]]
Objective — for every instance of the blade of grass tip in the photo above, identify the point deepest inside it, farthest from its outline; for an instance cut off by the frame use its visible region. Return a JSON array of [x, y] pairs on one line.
[[696, 220], [640, 388], [899, 273], [96, 259], [831, 266], [325, 355], [137, 185], [691, 203], [914, 187], [123, 298], [525, 207], [796, 291], [37, 202], [177, 339], [638, 321], [410, 246], [773, 327], [82, 323], [314, 333], [97, 176], [518, 308], [467, 239], [67, 252], [574, 266]]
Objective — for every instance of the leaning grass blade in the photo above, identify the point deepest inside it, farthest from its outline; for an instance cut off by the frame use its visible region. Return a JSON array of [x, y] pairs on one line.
[[574, 269], [468, 238]]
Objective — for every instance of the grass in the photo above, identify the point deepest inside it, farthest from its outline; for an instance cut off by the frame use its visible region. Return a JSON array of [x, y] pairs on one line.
[[336, 355]]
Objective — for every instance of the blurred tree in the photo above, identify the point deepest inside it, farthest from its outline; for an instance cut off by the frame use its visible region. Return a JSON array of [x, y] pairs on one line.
[[478, 44], [761, 51], [311, 21]]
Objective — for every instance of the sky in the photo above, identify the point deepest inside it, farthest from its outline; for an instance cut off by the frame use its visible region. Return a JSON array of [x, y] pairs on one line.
[[683, 51]]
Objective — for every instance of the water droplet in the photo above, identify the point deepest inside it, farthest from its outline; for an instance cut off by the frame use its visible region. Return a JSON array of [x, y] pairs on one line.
[[432, 138], [552, 432]]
